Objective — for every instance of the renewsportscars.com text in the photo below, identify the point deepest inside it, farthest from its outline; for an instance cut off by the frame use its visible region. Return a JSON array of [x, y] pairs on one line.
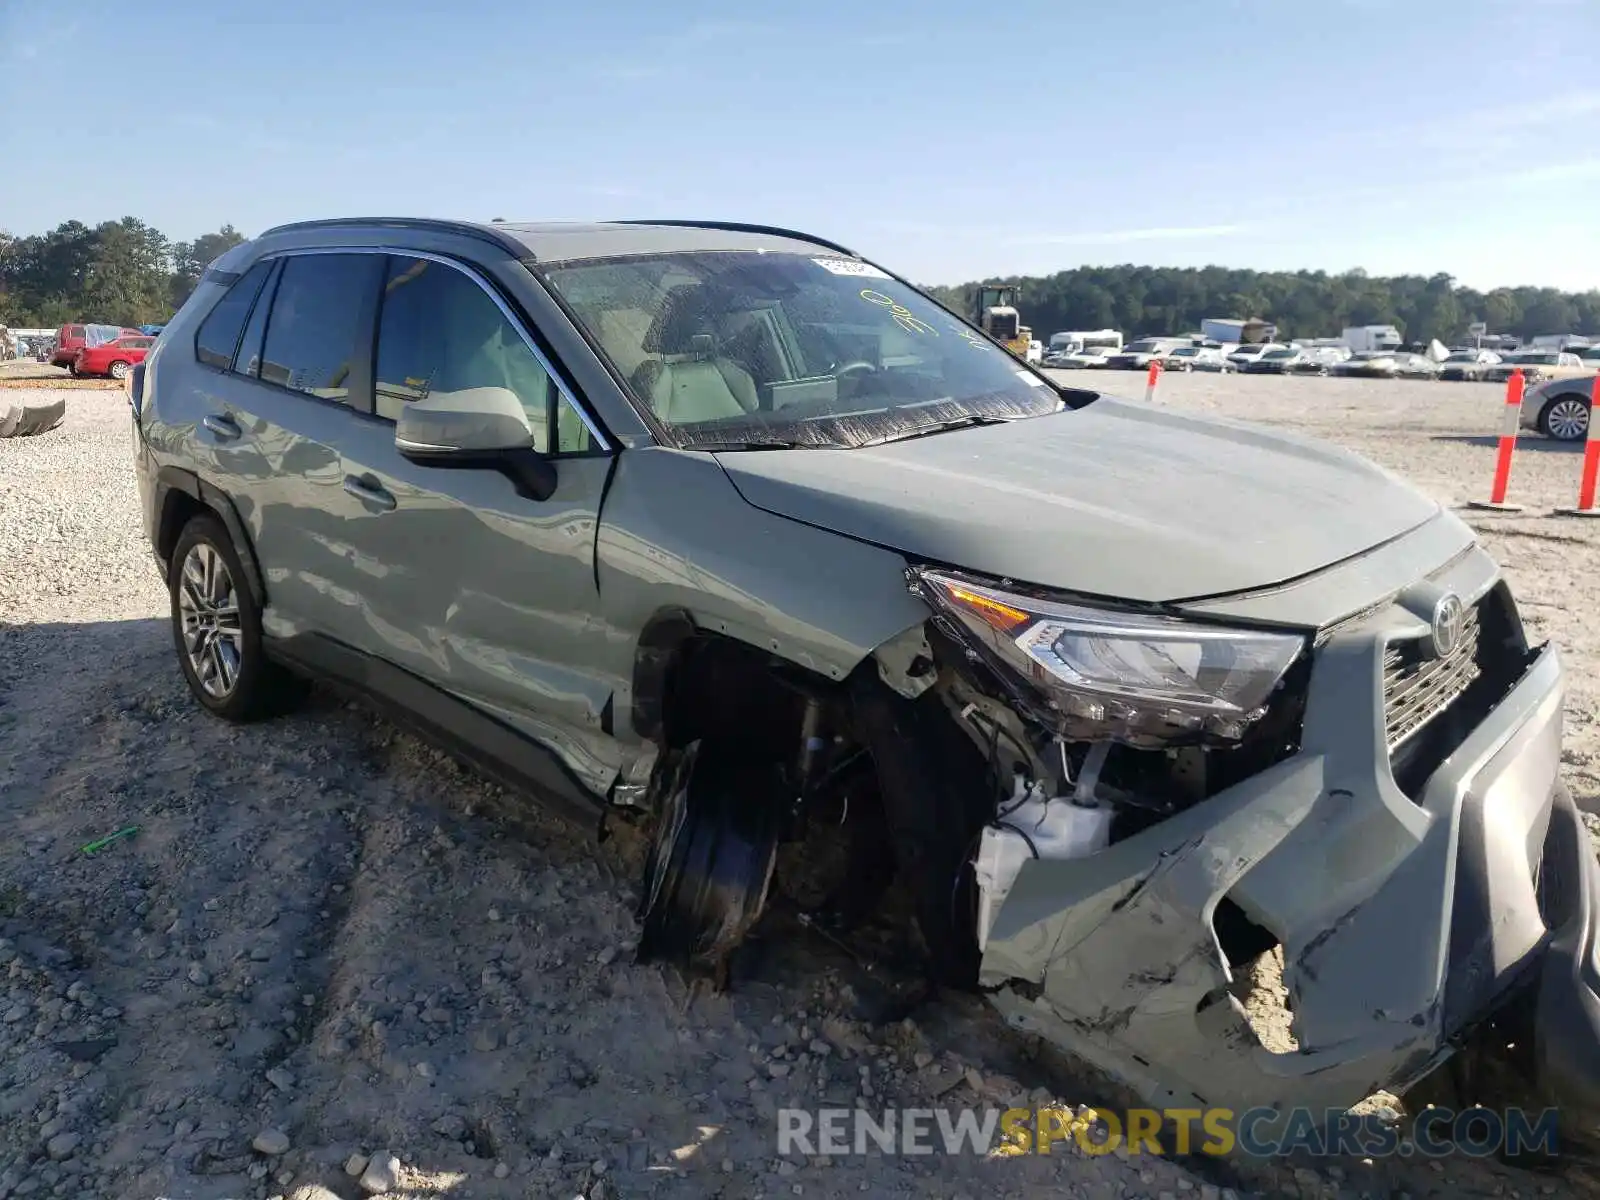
[[1257, 1132]]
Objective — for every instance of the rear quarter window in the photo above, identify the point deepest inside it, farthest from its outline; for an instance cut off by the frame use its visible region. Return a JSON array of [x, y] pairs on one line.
[[218, 336]]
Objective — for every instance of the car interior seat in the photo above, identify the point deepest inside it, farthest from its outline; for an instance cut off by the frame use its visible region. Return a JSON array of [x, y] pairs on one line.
[[685, 380]]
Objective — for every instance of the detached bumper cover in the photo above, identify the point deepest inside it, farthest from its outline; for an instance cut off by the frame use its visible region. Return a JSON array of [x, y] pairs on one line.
[[1404, 921], [1567, 1013]]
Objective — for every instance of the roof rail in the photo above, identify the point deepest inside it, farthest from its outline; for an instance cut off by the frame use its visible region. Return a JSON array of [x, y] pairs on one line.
[[742, 227], [473, 229]]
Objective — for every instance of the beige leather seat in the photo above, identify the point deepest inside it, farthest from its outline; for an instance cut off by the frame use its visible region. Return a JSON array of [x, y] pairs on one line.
[[685, 380]]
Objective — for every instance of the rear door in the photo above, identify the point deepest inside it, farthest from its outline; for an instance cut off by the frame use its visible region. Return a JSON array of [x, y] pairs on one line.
[[488, 595], [286, 386]]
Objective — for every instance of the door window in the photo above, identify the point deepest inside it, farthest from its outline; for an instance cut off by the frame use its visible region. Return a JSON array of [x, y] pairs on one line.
[[219, 332], [439, 332], [315, 318]]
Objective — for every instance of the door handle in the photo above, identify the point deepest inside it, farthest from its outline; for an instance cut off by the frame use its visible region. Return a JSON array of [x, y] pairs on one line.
[[223, 427], [368, 491]]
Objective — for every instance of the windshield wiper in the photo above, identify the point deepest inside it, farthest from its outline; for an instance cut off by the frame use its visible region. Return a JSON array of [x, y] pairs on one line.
[[966, 422], [751, 444]]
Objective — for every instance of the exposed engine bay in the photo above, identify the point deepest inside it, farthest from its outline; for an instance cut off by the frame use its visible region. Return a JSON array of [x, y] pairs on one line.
[[950, 767]]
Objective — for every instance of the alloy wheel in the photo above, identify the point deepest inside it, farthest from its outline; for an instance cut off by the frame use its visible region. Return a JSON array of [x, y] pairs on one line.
[[208, 610], [119, 369], [1567, 420]]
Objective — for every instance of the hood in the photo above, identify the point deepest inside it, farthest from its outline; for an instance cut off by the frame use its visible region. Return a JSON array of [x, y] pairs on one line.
[[1115, 499]]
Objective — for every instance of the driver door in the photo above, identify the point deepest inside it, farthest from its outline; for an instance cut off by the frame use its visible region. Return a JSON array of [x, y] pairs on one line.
[[486, 594]]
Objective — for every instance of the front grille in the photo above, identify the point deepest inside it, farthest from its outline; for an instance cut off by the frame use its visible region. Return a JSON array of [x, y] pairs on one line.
[[1416, 688]]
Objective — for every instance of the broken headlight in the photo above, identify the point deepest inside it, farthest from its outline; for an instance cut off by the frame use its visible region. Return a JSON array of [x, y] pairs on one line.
[[1129, 677]]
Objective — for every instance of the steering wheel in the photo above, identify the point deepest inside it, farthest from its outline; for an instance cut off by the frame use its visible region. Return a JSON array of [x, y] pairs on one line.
[[859, 367]]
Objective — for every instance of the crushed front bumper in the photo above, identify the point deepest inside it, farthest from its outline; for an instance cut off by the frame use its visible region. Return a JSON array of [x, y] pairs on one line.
[[1567, 1009], [1405, 921]]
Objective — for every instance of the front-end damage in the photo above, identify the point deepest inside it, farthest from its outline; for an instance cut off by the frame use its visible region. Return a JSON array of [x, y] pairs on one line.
[[1390, 818], [1104, 818]]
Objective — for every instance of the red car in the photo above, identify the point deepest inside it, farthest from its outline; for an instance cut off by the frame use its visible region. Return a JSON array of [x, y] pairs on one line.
[[72, 338], [112, 358]]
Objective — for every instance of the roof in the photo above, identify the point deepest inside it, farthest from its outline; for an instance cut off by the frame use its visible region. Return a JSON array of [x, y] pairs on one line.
[[557, 241]]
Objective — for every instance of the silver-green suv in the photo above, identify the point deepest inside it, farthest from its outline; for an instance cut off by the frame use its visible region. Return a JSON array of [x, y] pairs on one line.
[[730, 530]]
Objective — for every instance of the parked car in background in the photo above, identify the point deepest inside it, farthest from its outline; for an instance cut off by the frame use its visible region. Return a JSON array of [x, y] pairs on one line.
[[1469, 365], [72, 338], [1408, 365], [1589, 356], [1276, 362], [1136, 356], [1537, 365], [1243, 356], [1085, 358], [1194, 358], [1370, 364], [112, 358], [1318, 360], [1559, 408]]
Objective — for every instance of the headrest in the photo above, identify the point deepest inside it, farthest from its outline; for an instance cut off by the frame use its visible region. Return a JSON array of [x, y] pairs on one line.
[[684, 317]]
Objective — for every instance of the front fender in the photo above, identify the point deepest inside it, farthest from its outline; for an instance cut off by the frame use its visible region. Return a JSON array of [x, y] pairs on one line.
[[676, 535]]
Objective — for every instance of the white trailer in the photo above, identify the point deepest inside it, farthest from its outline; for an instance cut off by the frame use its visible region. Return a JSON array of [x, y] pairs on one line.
[[1238, 332], [1087, 339], [1364, 338]]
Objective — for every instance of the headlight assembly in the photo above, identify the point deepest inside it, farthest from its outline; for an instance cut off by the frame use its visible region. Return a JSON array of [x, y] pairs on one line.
[[1128, 677]]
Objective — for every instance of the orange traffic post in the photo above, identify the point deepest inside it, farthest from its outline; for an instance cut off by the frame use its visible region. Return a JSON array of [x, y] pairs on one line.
[[1152, 377], [1511, 422], [1591, 464]]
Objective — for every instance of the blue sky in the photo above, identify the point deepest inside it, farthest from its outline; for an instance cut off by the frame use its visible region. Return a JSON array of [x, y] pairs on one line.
[[951, 140]]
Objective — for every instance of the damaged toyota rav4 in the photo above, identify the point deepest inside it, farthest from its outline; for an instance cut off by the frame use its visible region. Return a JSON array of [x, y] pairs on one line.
[[728, 530]]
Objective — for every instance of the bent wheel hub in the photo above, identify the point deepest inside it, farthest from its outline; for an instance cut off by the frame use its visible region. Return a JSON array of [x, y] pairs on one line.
[[706, 882], [208, 612]]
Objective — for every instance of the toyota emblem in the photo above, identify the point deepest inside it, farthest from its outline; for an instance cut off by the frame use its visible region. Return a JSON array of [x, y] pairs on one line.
[[1449, 621]]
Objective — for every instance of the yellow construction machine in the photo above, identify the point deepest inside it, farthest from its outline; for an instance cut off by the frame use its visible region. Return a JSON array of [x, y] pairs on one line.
[[996, 314]]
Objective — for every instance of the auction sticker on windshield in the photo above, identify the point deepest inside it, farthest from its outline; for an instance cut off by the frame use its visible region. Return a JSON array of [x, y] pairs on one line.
[[851, 266]]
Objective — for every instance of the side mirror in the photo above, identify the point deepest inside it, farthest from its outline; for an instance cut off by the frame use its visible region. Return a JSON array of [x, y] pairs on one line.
[[480, 428]]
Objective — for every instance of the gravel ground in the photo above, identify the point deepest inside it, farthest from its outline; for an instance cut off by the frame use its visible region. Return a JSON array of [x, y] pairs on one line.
[[327, 944]]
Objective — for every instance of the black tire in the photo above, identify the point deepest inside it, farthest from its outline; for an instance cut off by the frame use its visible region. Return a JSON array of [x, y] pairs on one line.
[[259, 687], [25, 420]]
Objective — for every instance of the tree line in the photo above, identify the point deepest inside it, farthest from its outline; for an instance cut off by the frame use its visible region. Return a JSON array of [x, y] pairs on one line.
[[1174, 300], [118, 272], [128, 273]]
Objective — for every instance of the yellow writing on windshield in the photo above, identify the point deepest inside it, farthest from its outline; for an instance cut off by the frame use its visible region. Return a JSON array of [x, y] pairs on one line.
[[899, 312]]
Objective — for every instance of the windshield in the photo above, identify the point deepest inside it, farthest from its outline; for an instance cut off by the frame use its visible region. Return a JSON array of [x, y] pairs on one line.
[[1186, 352], [1142, 346], [1463, 356], [1541, 360], [1280, 354], [739, 347]]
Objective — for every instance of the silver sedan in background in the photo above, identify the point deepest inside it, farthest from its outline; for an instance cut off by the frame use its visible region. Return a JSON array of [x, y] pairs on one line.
[[1559, 408]]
